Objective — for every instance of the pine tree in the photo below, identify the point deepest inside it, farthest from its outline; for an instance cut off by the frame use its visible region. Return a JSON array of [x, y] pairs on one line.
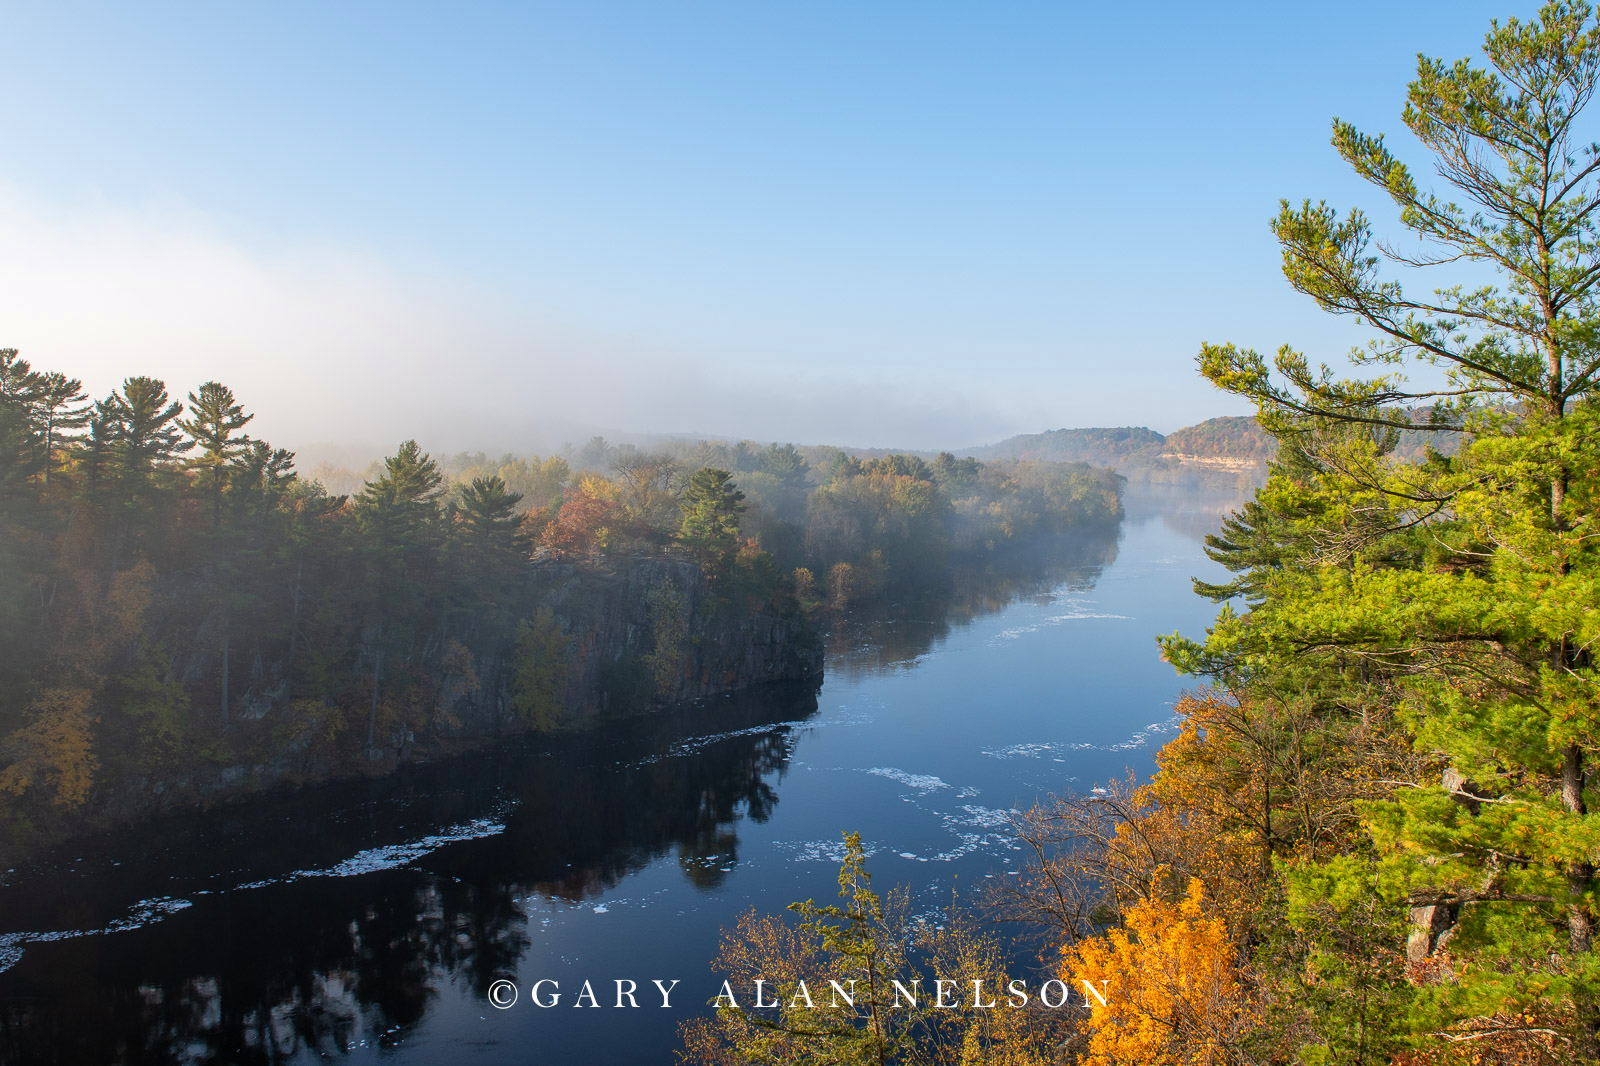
[[144, 429], [134, 438], [488, 530], [59, 413], [398, 513], [1462, 589], [711, 505], [398, 506], [21, 444], [488, 514], [18, 383], [213, 420]]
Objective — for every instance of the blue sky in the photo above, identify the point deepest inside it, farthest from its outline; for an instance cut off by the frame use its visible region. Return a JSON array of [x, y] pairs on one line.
[[498, 226]]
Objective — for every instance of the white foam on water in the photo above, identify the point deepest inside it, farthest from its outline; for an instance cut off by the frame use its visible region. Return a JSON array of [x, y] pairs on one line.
[[144, 912], [846, 716], [393, 856], [149, 911], [986, 817], [1042, 749], [832, 851], [922, 783], [690, 745], [1077, 610]]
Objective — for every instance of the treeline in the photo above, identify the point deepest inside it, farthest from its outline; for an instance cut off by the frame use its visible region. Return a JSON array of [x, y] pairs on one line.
[[845, 530], [856, 529], [1229, 437], [1220, 454], [1107, 446], [1373, 841]]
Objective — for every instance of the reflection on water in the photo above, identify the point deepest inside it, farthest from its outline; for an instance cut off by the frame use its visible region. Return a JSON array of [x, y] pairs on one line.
[[288, 957], [1194, 514], [886, 636]]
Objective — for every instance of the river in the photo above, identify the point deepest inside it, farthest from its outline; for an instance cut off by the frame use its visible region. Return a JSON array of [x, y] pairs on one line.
[[367, 921]]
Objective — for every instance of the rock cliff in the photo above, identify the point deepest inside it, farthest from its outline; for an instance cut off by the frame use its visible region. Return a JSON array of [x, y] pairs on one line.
[[618, 637]]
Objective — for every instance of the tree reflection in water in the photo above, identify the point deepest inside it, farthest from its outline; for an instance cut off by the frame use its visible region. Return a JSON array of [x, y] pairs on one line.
[[880, 637], [315, 965]]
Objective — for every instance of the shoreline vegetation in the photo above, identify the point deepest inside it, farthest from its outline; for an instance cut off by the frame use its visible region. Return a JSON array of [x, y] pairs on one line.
[[186, 619], [1373, 840]]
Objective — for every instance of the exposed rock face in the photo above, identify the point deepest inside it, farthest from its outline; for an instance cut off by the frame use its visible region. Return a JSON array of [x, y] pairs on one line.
[[637, 634], [651, 632]]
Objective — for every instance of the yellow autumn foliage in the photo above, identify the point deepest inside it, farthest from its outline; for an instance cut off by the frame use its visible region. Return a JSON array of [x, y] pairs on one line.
[[1171, 983], [55, 750]]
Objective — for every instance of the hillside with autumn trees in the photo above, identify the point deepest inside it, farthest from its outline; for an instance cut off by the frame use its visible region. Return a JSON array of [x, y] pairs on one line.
[[185, 617], [1229, 453], [1374, 839]]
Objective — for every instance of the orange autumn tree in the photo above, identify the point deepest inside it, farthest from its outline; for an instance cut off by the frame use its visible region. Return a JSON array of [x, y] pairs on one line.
[[588, 516], [1173, 994]]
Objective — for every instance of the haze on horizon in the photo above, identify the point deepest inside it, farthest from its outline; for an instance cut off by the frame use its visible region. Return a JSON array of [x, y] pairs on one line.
[[504, 227]]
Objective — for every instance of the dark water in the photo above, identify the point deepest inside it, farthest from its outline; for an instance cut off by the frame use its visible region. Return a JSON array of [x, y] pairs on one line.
[[368, 921]]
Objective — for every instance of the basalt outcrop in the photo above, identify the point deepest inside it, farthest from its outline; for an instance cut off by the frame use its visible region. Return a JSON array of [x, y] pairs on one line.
[[622, 637]]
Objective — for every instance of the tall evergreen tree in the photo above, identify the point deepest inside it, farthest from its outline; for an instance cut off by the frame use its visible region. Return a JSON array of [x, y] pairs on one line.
[[1464, 587], [488, 528], [59, 412], [135, 436], [213, 420], [404, 499], [20, 444], [711, 505], [18, 383], [488, 512], [398, 513], [144, 428]]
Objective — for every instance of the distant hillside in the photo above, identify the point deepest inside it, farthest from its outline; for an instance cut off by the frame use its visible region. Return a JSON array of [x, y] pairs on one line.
[[1099, 447], [1229, 437], [1231, 451]]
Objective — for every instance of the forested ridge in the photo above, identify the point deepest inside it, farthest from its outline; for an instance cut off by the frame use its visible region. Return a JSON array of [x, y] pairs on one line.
[[175, 598], [1372, 841], [1226, 453]]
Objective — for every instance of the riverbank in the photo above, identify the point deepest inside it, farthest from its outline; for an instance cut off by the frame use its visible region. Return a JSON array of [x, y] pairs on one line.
[[603, 640]]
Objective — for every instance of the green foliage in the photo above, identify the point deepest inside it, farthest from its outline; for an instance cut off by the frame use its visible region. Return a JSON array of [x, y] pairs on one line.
[[542, 666], [669, 632], [402, 502], [1338, 967], [157, 705], [861, 981], [1454, 589], [711, 509], [143, 428], [489, 531], [214, 419], [1503, 137]]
